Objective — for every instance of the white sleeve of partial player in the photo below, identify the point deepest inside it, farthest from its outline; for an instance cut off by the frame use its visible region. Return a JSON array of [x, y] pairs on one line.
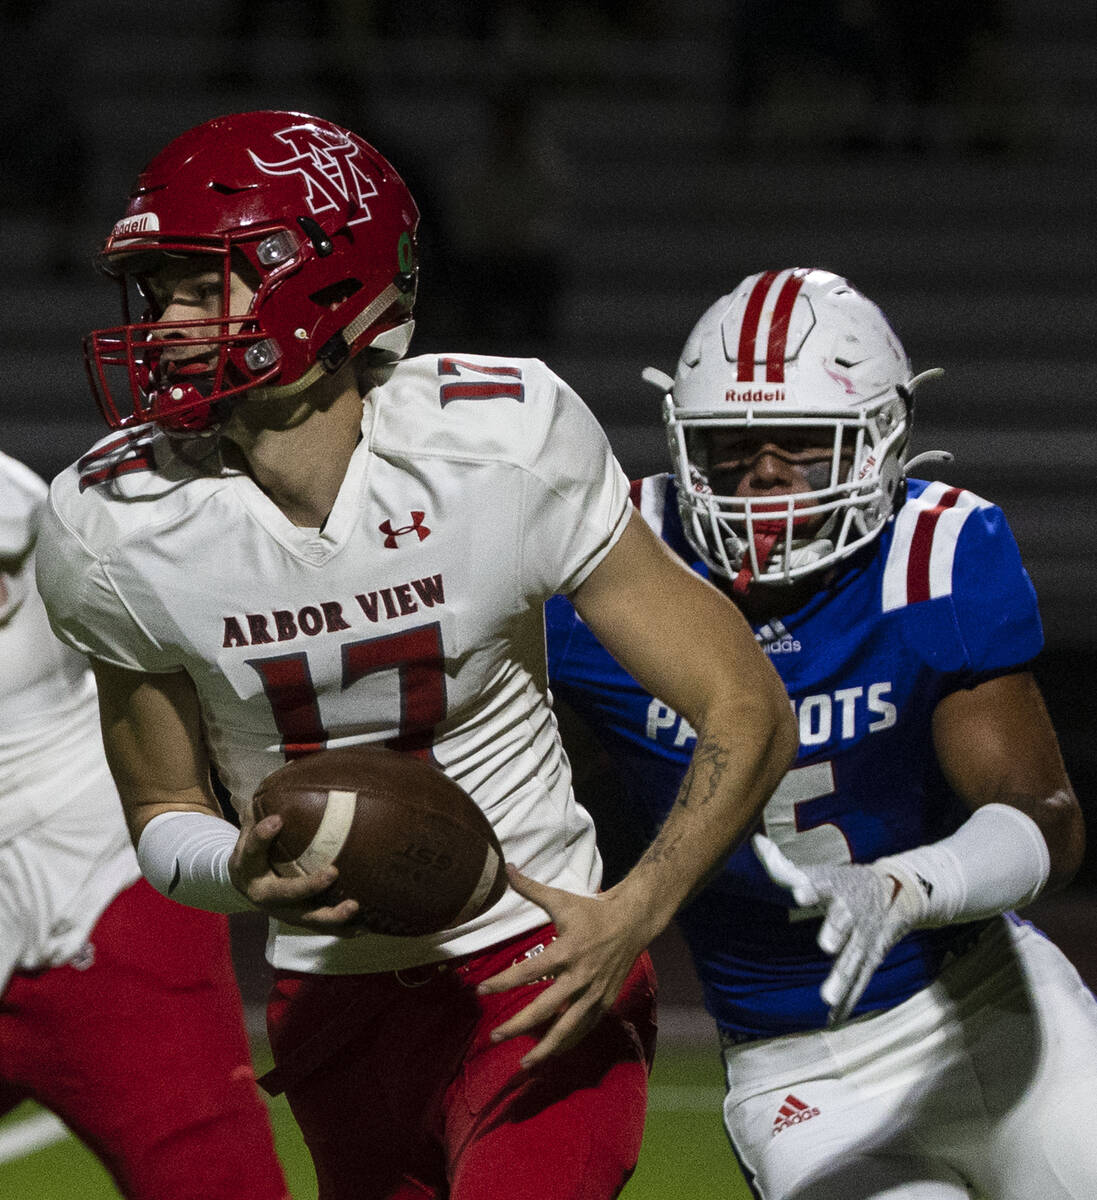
[[997, 860], [185, 856]]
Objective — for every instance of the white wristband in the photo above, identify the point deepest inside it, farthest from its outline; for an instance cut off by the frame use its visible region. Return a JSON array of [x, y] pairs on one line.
[[996, 860], [185, 856]]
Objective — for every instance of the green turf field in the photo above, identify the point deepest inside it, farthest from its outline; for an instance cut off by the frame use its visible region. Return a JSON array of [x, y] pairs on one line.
[[685, 1152]]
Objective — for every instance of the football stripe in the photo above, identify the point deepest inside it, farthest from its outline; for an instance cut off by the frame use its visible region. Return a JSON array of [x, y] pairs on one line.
[[923, 551], [109, 448], [331, 834], [895, 570], [921, 546], [748, 332], [778, 329], [483, 886], [943, 553]]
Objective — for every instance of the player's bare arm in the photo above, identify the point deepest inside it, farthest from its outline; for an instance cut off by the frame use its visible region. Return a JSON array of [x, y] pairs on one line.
[[996, 745], [152, 736], [687, 642]]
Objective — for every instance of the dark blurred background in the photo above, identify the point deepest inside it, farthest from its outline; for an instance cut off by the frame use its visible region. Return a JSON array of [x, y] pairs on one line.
[[592, 176]]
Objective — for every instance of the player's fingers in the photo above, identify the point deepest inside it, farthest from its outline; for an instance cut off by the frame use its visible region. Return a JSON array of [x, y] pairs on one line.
[[253, 845], [836, 988], [857, 990], [329, 915], [844, 1000], [566, 1031], [783, 872], [564, 1019], [553, 900], [847, 962], [837, 926], [838, 1011], [546, 1005], [262, 833], [854, 968], [271, 889], [528, 970], [334, 919]]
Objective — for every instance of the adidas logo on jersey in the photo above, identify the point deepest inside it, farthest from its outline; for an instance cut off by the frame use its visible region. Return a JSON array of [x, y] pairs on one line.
[[776, 639], [792, 1112]]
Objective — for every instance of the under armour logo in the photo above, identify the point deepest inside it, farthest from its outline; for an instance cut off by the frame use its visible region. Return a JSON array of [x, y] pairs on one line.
[[328, 164], [416, 527]]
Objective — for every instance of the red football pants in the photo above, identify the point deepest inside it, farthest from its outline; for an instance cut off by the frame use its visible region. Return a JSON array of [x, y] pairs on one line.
[[143, 1054], [418, 1102]]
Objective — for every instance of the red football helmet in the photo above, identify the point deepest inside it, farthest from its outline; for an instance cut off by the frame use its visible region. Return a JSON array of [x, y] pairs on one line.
[[315, 218]]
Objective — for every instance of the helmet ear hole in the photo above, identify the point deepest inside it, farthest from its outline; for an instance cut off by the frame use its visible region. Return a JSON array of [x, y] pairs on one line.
[[314, 231], [337, 293]]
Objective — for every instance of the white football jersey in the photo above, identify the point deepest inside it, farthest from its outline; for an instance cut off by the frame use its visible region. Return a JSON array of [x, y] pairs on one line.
[[480, 487], [49, 722]]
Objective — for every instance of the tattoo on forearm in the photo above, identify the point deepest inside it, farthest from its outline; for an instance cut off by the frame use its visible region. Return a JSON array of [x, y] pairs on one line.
[[702, 782], [706, 772]]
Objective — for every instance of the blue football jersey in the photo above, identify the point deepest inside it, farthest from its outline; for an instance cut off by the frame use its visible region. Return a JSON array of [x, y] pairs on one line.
[[940, 601]]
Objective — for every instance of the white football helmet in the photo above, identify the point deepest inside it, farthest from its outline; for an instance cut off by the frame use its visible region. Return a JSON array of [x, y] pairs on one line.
[[785, 351]]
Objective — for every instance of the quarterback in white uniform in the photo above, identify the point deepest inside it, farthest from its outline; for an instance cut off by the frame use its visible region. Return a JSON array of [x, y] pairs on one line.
[[432, 633], [287, 547], [86, 1028]]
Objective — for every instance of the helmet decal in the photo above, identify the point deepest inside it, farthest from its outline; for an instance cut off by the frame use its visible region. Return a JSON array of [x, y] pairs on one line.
[[844, 380], [405, 253], [329, 166], [776, 340]]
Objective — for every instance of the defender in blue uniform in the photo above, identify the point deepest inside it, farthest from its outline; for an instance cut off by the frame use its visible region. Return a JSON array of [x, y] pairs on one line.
[[876, 998]]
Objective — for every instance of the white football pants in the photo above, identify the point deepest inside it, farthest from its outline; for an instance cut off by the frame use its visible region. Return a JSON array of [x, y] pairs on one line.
[[982, 1085], [57, 877]]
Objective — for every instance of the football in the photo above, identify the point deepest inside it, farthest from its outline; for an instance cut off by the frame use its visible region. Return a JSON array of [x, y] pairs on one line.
[[412, 847]]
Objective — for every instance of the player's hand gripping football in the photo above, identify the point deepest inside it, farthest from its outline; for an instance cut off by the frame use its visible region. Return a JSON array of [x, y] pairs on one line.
[[595, 948], [867, 908], [297, 901]]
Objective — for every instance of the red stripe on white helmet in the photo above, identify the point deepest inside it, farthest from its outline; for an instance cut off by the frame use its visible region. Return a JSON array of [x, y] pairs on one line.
[[748, 332]]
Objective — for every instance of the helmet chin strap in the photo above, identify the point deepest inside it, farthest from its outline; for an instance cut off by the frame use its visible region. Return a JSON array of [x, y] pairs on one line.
[[350, 334]]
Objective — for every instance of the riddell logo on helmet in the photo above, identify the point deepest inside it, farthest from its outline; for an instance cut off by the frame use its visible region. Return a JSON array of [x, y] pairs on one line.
[[753, 395], [145, 223]]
